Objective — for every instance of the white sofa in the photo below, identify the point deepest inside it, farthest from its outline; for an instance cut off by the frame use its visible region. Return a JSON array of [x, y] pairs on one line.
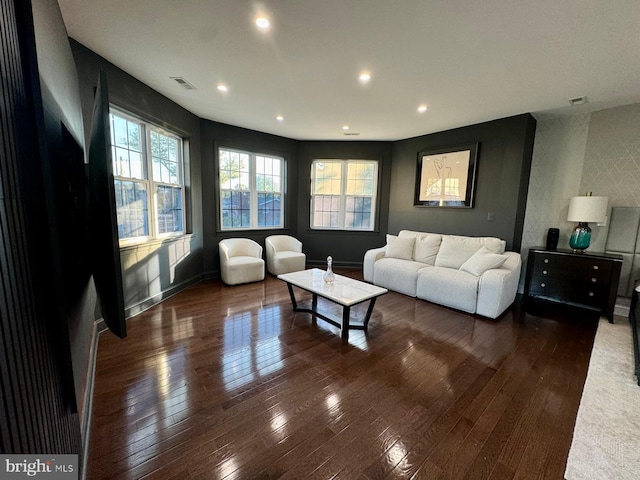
[[472, 274]]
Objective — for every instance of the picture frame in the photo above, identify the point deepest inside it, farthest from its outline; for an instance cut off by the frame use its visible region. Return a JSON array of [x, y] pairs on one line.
[[446, 177]]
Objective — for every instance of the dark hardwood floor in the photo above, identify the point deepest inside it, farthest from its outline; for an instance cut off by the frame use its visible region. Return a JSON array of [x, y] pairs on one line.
[[227, 382]]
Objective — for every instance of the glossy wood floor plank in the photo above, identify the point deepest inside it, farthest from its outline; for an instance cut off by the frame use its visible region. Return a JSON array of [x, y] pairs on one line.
[[229, 383]]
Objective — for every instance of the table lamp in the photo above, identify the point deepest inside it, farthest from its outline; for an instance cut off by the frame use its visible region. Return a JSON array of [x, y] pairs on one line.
[[584, 210]]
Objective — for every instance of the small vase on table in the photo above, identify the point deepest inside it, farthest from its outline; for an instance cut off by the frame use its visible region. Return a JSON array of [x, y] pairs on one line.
[[328, 276]]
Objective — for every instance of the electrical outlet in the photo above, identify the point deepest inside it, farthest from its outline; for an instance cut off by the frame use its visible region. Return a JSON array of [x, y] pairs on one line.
[[491, 217]]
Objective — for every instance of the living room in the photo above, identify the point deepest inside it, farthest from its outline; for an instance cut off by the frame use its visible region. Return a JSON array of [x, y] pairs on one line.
[[529, 166]]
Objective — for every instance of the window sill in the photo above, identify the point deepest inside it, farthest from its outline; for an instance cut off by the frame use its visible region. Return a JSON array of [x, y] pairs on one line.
[[343, 232], [253, 230], [157, 241]]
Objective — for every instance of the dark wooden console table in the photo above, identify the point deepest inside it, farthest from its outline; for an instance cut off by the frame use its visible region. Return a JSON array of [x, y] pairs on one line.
[[587, 280]]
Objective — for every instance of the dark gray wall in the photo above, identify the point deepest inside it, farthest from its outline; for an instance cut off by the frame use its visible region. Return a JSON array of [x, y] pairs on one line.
[[216, 135], [502, 179], [157, 269], [346, 248]]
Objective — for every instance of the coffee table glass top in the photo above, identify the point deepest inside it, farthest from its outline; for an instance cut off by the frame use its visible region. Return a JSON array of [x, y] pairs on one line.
[[343, 291]]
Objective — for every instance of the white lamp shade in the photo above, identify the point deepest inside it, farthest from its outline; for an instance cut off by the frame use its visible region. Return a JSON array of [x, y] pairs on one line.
[[588, 209]]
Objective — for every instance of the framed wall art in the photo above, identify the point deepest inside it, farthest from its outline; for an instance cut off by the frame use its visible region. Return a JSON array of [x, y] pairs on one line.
[[446, 177]]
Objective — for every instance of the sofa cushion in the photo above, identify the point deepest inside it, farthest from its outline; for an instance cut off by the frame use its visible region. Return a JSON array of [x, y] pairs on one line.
[[397, 275], [455, 250], [426, 245], [400, 248], [483, 260], [426, 248], [448, 287]]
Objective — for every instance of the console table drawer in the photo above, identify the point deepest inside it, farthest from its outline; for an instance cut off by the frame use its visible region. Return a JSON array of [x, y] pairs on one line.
[[557, 289], [598, 268], [552, 266]]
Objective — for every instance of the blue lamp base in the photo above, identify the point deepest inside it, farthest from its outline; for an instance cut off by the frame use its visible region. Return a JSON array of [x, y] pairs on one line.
[[580, 238]]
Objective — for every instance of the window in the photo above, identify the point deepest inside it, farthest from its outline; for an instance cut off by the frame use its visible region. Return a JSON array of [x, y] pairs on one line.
[[343, 194], [149, 186], [251, 190]]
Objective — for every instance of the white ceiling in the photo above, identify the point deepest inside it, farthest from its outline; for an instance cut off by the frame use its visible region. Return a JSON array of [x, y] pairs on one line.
[[470, 60]]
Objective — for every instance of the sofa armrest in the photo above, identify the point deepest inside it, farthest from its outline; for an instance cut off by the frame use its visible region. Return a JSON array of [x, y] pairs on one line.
[[371, 257], [497, 287]]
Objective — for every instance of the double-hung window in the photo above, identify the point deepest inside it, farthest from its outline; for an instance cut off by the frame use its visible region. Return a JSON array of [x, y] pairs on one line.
[[148, 179], [343, 194], [251, 190]]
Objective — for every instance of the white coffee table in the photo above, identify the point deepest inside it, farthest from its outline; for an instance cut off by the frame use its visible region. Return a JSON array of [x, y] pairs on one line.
[[344, 291]]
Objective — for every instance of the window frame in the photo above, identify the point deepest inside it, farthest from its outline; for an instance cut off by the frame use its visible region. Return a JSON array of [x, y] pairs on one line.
[[344, 179], [146, 128], [253, 190]]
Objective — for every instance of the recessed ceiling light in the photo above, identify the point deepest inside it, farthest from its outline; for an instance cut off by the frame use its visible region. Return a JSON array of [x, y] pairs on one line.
[[345, 127], [263, 23], [222, 87], [280, 118], [364, 77], [422, 108]]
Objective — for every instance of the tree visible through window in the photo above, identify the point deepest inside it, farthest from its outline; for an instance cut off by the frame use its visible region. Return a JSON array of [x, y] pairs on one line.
[[251, 190], [147, 166], [343, 194]]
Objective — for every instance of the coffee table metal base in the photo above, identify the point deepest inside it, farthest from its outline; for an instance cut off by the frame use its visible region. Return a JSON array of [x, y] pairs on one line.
[[346, 313]]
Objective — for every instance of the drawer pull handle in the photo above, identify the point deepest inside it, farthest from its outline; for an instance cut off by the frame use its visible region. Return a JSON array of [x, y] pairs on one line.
[[594, 279], [591, 294], [544, 272], [546, 260], [595, 267], [543, 285]]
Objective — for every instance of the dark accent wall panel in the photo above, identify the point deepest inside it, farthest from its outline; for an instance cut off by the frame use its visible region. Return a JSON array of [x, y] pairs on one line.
[[346, 248], [36, 399], [216, 135], [502, 179]]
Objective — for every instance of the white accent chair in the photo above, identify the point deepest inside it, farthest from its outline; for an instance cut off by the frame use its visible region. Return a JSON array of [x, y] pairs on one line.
[[240, 261], [284, 254]]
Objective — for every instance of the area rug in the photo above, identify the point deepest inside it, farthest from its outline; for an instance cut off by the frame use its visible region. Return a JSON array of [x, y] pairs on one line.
[[606, 439]]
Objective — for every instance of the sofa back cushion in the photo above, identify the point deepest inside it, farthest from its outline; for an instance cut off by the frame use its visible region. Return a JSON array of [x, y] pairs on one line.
[[455, 250], [426, 248], [426, 245], [400, 248]]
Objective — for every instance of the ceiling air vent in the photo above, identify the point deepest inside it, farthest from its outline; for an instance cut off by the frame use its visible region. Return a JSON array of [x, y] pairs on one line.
[[578, 101], [183, 83], [351, 133]]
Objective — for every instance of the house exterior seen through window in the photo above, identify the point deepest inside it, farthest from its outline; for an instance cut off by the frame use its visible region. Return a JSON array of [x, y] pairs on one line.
[[251, 190], [343, 194], [148, 179]]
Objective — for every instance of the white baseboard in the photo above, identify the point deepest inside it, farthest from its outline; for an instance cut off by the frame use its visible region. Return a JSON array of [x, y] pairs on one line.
[[87, 404], [623, 306], [622, 310]]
